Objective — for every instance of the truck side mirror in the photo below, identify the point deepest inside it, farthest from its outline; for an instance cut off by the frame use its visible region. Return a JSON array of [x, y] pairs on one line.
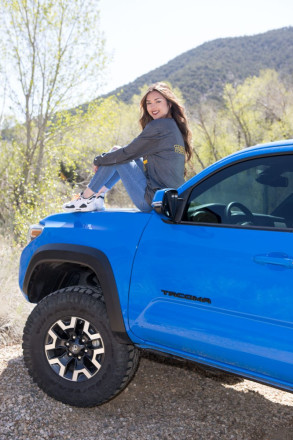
[[165, 202], [170, 203]]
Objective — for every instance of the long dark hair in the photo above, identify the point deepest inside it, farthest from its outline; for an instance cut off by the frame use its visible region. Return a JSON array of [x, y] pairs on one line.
[[177, 112]]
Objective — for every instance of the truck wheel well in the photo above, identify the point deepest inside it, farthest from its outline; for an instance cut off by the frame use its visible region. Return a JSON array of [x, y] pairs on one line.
[[48, 277], [55, 266]]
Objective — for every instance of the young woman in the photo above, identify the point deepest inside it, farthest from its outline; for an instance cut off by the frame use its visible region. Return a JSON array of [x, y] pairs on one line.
[[152, 161]]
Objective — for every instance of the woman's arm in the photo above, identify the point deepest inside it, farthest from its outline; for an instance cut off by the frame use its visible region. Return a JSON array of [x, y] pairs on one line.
[[144, 144]]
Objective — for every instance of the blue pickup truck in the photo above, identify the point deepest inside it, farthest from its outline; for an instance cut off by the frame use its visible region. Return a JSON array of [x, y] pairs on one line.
[[206, 276]]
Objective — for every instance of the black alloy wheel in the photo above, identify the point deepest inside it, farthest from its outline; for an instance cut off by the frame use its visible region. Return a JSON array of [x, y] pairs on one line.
[[74, 349], [71, 352]]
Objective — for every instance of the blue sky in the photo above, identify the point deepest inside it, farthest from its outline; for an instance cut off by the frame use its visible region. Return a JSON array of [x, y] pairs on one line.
[[142, 35]]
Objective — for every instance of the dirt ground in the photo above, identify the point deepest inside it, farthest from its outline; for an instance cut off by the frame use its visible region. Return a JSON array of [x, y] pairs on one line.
[[165, 400]]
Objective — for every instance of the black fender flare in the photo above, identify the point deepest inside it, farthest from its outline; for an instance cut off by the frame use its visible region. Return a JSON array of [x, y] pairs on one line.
[[98, 262]]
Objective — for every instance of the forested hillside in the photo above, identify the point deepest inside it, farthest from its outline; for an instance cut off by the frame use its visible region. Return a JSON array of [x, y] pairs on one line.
[[206, 69]]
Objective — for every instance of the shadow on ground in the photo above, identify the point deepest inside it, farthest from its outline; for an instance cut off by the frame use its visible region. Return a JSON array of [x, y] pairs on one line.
[[167, 399]]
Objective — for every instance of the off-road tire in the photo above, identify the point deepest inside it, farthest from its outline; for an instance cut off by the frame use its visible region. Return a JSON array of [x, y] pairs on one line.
[[81, 313]]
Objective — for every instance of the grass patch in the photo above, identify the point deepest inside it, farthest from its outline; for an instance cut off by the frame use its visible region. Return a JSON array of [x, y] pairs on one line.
[[14, 309]]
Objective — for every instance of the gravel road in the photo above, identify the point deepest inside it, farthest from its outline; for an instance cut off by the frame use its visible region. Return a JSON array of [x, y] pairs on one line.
[[166, 400]]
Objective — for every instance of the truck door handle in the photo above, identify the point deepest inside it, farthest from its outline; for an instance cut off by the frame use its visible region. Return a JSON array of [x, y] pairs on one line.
[[276, 259]]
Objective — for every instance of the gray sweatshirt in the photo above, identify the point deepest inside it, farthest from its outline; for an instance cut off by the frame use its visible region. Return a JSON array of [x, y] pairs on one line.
[[161, 146]]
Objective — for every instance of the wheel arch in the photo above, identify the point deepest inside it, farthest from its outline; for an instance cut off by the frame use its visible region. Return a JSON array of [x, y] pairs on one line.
[[44, 275]]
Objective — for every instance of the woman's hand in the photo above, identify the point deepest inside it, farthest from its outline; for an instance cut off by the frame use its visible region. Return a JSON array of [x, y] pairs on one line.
[[95, 167]]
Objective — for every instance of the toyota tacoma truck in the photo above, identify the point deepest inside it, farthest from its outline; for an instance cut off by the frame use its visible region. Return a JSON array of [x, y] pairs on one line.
[[206, 276]]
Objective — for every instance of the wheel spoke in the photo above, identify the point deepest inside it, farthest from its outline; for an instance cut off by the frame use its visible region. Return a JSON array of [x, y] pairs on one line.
[[94, 360], [84, 371], [56, 361], [54, 337], [86, 331], [71, 325]]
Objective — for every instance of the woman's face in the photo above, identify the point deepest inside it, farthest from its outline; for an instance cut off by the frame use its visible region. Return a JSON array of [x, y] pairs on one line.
[[157, 106]]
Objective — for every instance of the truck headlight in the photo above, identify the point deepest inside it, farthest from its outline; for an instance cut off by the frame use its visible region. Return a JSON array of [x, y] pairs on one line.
[[34, 232]]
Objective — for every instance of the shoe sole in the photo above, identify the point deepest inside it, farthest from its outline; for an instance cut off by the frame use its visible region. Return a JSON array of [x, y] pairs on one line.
[[83, 210]]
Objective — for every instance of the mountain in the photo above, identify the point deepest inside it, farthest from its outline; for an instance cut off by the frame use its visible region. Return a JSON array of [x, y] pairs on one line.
[[207, 68]]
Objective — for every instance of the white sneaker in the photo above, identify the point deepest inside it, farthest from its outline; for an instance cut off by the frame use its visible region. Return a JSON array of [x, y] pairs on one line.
[[100, 203], [81, 204]]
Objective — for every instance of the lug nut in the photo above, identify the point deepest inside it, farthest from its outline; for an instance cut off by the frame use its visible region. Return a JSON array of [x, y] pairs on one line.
[[86, 350], [69, 354], [67, 344], [79, 357]]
